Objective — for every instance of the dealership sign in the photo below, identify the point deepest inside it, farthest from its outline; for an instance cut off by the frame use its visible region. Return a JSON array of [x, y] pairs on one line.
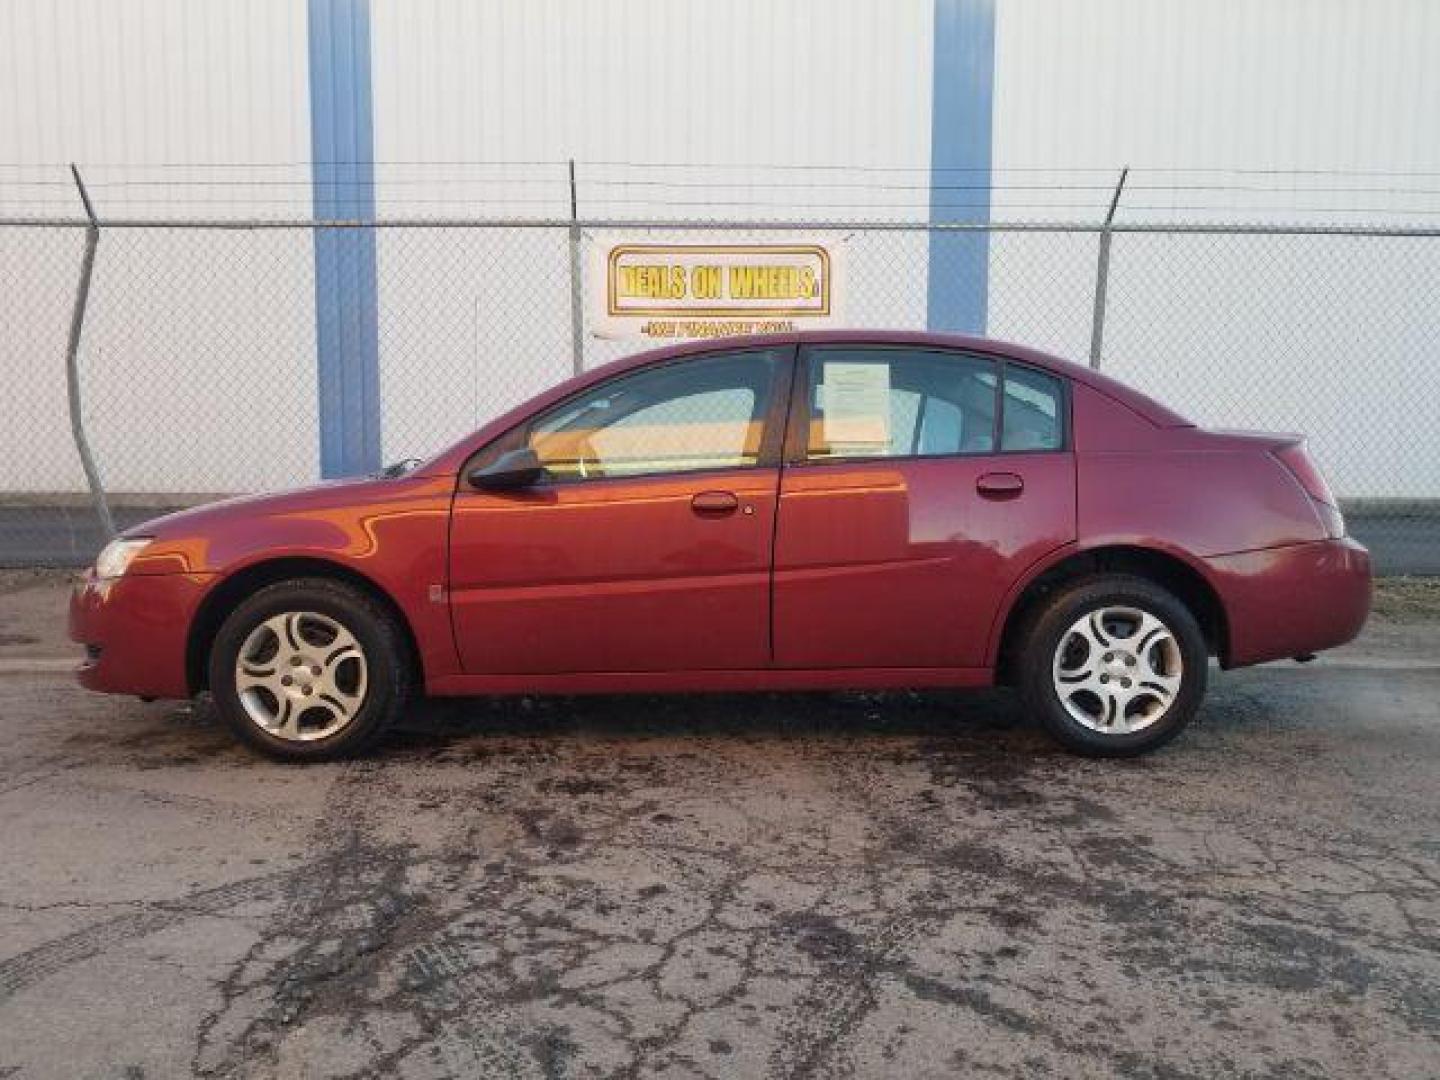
[[674, 291]]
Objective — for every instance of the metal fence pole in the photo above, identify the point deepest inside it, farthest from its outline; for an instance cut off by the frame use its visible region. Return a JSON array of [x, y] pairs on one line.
[[72, 360], [1102, 275], [577, 295]]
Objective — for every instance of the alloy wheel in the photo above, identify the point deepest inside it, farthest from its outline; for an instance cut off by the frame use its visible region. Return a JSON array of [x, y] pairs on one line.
[[1117, 670], [301, 676]]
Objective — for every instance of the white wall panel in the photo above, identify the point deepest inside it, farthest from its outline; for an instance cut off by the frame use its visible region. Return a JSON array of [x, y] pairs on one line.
[[126, 87], [668, 108], [653, 81], [1200, 84], [172, 108], [1330, 337]]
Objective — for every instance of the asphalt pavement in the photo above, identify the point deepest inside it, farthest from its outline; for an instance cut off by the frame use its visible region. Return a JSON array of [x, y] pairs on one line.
[[837, 885]]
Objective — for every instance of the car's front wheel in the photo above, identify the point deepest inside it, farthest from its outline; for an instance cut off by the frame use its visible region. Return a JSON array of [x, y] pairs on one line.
[[309, 669], [1113, 665]]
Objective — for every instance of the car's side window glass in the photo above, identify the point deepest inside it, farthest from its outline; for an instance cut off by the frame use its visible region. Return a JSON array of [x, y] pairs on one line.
[[889, 402], [1033, 413], [706, 413]]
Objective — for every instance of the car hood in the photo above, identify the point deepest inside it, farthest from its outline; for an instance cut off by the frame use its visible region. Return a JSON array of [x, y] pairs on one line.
[[345, 521], [319, 496]]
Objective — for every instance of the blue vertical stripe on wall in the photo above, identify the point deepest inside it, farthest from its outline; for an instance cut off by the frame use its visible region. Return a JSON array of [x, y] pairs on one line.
[[343, 179], [963, 95]]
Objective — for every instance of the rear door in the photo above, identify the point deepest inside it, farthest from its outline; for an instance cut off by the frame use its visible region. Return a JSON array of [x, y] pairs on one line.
[[919, 483]]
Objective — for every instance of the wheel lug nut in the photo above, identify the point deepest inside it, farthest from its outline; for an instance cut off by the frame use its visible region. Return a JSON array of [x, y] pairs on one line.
[[1123, 682], [1104, 678], [285, 680], [314, 671]]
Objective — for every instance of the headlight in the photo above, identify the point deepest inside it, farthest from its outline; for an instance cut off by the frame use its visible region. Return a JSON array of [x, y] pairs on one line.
[[118, 555]]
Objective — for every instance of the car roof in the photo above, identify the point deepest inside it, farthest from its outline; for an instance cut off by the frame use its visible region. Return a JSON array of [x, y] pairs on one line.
[[1152, 410]]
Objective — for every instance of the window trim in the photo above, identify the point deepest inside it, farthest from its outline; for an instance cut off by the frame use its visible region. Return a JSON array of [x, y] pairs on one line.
[[771, 437], [797, 429]]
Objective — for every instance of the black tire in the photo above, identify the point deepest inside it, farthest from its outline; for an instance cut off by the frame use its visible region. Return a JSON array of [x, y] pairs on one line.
[[385, 658], [1051, 624]]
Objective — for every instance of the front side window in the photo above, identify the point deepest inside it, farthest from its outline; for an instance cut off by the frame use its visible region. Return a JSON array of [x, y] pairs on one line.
[[886, 402], [707, 413]]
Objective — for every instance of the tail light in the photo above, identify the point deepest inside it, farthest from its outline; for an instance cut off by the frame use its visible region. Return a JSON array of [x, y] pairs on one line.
[[1303, 468]]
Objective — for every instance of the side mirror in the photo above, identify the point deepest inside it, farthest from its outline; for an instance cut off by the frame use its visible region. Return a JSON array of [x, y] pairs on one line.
[[512, 470]]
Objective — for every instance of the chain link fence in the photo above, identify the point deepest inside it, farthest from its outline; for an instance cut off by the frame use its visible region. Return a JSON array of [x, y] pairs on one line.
[[196, 371]]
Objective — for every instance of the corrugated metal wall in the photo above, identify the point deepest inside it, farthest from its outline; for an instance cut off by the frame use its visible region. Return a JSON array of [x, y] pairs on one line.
[[145, 82], [203, 108], [1200, 84], [653, 81], [164, 103], [1327, 108], [1182, 84]]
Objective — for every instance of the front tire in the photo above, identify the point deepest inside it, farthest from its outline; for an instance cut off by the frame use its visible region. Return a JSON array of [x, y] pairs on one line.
[[1113, 666], [309, 670]]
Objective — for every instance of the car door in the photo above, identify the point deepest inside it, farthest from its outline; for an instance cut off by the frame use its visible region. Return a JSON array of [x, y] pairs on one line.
[[647, 544], [919, 483]]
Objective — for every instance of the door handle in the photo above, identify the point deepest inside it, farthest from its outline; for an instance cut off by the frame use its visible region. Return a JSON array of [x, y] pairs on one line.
[[999, 485], [715, 503]]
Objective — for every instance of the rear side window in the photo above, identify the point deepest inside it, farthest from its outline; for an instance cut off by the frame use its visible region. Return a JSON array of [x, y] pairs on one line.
[[1033, 416], [870, 402]]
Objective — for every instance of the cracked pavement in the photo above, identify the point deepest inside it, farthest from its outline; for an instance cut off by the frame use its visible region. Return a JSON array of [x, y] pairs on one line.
[[851, 885]]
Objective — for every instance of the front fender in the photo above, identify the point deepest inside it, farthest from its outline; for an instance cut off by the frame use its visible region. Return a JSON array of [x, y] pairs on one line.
[[392, 534]]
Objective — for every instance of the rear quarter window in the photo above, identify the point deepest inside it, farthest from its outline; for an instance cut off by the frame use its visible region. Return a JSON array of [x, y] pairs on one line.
[[1034, 417]]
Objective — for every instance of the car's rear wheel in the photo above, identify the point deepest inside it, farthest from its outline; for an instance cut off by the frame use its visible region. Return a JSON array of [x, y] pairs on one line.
[[309, 669], [1113, 665]]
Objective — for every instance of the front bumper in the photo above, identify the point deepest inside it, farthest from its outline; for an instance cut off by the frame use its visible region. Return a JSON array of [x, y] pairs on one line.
[[1293, 600], [134, 629]]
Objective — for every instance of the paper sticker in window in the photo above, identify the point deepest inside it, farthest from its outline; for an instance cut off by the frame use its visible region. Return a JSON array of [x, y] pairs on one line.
[[855, 400]]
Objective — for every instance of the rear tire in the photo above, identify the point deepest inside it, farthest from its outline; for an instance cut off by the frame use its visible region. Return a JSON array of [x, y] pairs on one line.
[[1113, 666], [310, 670]]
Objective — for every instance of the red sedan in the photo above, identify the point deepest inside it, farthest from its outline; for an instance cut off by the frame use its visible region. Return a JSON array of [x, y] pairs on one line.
[[791, 512]]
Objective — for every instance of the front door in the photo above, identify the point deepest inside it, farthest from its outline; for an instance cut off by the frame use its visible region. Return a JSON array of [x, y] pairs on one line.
[[647, 544], [918, 485]]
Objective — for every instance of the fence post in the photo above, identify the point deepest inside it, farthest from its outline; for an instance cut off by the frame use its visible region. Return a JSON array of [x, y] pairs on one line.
[[72, 360], [1102, 275], [577, 293]]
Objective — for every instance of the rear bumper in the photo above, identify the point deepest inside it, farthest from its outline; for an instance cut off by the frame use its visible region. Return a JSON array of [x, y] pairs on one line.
[[1289, 601], [134, 629]]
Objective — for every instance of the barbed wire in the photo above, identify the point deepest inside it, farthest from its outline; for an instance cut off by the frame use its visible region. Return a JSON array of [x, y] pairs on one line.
[[805, 191], [311, 184], [562, 163]]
